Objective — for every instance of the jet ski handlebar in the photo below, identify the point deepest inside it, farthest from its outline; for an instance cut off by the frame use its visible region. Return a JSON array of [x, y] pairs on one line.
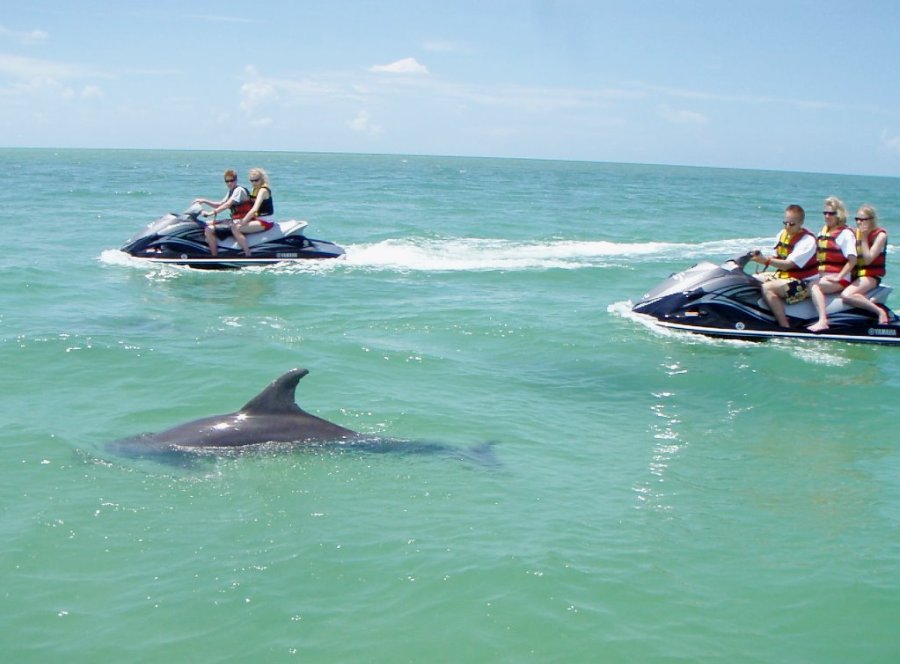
[[742, 260]]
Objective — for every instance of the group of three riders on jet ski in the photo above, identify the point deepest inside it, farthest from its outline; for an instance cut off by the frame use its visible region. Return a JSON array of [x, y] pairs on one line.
[[247, 209], [836, 261]]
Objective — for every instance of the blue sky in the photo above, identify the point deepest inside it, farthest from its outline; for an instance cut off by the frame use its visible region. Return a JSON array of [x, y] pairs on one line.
[[783, 85]]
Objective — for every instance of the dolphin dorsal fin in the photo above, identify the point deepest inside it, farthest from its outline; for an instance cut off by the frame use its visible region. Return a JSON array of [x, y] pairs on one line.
[[278, 397]]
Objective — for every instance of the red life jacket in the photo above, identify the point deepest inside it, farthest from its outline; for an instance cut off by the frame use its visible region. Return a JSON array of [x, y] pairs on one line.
[[784, 248], [878, 266], [829, 255], [238, 210]]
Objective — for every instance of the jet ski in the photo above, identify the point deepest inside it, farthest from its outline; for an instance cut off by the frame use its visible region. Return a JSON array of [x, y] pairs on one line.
[[178, 239], [724, 301]]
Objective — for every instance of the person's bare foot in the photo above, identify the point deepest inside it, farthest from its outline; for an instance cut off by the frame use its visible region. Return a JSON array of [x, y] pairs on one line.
[[817, 327]]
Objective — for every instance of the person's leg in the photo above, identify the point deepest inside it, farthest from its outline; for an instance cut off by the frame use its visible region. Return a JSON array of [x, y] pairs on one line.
[[773, 293], [854, 296], [241, 238], [818, 292], [241, 230], [211, 240]]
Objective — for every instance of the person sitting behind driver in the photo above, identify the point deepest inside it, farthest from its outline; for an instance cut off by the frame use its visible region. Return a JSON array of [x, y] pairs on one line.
[[236, 201], [262, 206], [837, 259], [794, 261], [871, 244]]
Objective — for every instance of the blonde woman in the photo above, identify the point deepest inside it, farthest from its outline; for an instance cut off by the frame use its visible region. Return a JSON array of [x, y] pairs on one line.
[[262, 206], [836, 254], [871, 244]]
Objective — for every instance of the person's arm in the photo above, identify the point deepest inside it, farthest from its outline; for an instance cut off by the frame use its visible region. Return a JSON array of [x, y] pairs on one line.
[[254, 211], [870, 252], [206, 201], [224, 204], [848, 247], [803, 251], [759, 257], [847, 271], [780, 263]]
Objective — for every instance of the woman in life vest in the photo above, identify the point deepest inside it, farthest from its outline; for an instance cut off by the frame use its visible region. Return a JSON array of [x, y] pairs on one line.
[[262, 206], [837, 257], [794, 261], [236, 201], [871, 244]]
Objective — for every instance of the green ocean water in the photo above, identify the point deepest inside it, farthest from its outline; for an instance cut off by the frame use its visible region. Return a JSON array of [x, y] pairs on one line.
[[658, 497]]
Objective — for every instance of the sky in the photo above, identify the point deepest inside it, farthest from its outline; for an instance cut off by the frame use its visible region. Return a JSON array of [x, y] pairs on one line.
[[759, 84]]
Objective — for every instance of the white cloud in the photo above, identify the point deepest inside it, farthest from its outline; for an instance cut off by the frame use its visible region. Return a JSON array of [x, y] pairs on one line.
[[703, 95], [18, 66], [256, 92], [363, 123], [259, 90], [39, 87], [26, 37], [536, 99], [91, 92], [682, 116], [441, 46], [890, 142], [404, 66]]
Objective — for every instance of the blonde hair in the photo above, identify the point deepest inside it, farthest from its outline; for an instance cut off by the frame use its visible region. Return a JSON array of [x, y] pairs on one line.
[[838, 205], [261, 175], [868, 211]]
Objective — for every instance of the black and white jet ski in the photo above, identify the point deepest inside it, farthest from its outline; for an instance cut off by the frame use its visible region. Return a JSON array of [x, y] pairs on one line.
[[725, 301], [179, 239]]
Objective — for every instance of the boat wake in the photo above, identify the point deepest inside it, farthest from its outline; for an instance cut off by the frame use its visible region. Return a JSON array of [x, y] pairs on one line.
[[478, 254], [809, 351], [482, 254]]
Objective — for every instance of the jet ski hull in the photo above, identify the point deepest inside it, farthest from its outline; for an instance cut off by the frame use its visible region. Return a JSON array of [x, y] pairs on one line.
[[725, 302], [179, 240]]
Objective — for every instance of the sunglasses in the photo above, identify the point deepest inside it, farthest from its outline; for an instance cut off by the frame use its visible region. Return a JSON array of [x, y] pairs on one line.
[[860, 219], [254, 180], [227, 181], [791, 223], [829, 213]]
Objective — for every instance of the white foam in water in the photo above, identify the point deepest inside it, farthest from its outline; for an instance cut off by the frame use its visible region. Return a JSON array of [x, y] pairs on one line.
[[116, 257], [623, 310], [485, 254], [474, 254], [811, 351], [467, 254]]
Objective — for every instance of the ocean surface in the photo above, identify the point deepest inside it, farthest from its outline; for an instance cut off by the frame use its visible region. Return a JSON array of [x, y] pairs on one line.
[[656, 497]]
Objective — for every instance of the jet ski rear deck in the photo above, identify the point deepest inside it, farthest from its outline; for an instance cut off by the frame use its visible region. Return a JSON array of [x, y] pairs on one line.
[[724, 301]]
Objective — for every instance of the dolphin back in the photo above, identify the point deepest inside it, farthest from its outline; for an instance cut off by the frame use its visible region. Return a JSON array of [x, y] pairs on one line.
[[278, 398], [273, 416]]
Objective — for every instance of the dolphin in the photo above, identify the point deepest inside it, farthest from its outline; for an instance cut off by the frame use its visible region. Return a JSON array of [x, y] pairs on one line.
[[273, 417]]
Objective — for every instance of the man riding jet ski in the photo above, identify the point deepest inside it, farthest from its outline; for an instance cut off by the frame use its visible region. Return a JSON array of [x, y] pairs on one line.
[[725, 301]]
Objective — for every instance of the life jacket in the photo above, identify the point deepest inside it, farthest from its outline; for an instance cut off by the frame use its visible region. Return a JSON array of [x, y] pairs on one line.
[[878, 267], [238, 210], [829, 255], [784, 248], [267, 207]]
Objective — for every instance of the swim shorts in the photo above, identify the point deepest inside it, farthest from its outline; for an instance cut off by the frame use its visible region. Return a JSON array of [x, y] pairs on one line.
[[796, 291]]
